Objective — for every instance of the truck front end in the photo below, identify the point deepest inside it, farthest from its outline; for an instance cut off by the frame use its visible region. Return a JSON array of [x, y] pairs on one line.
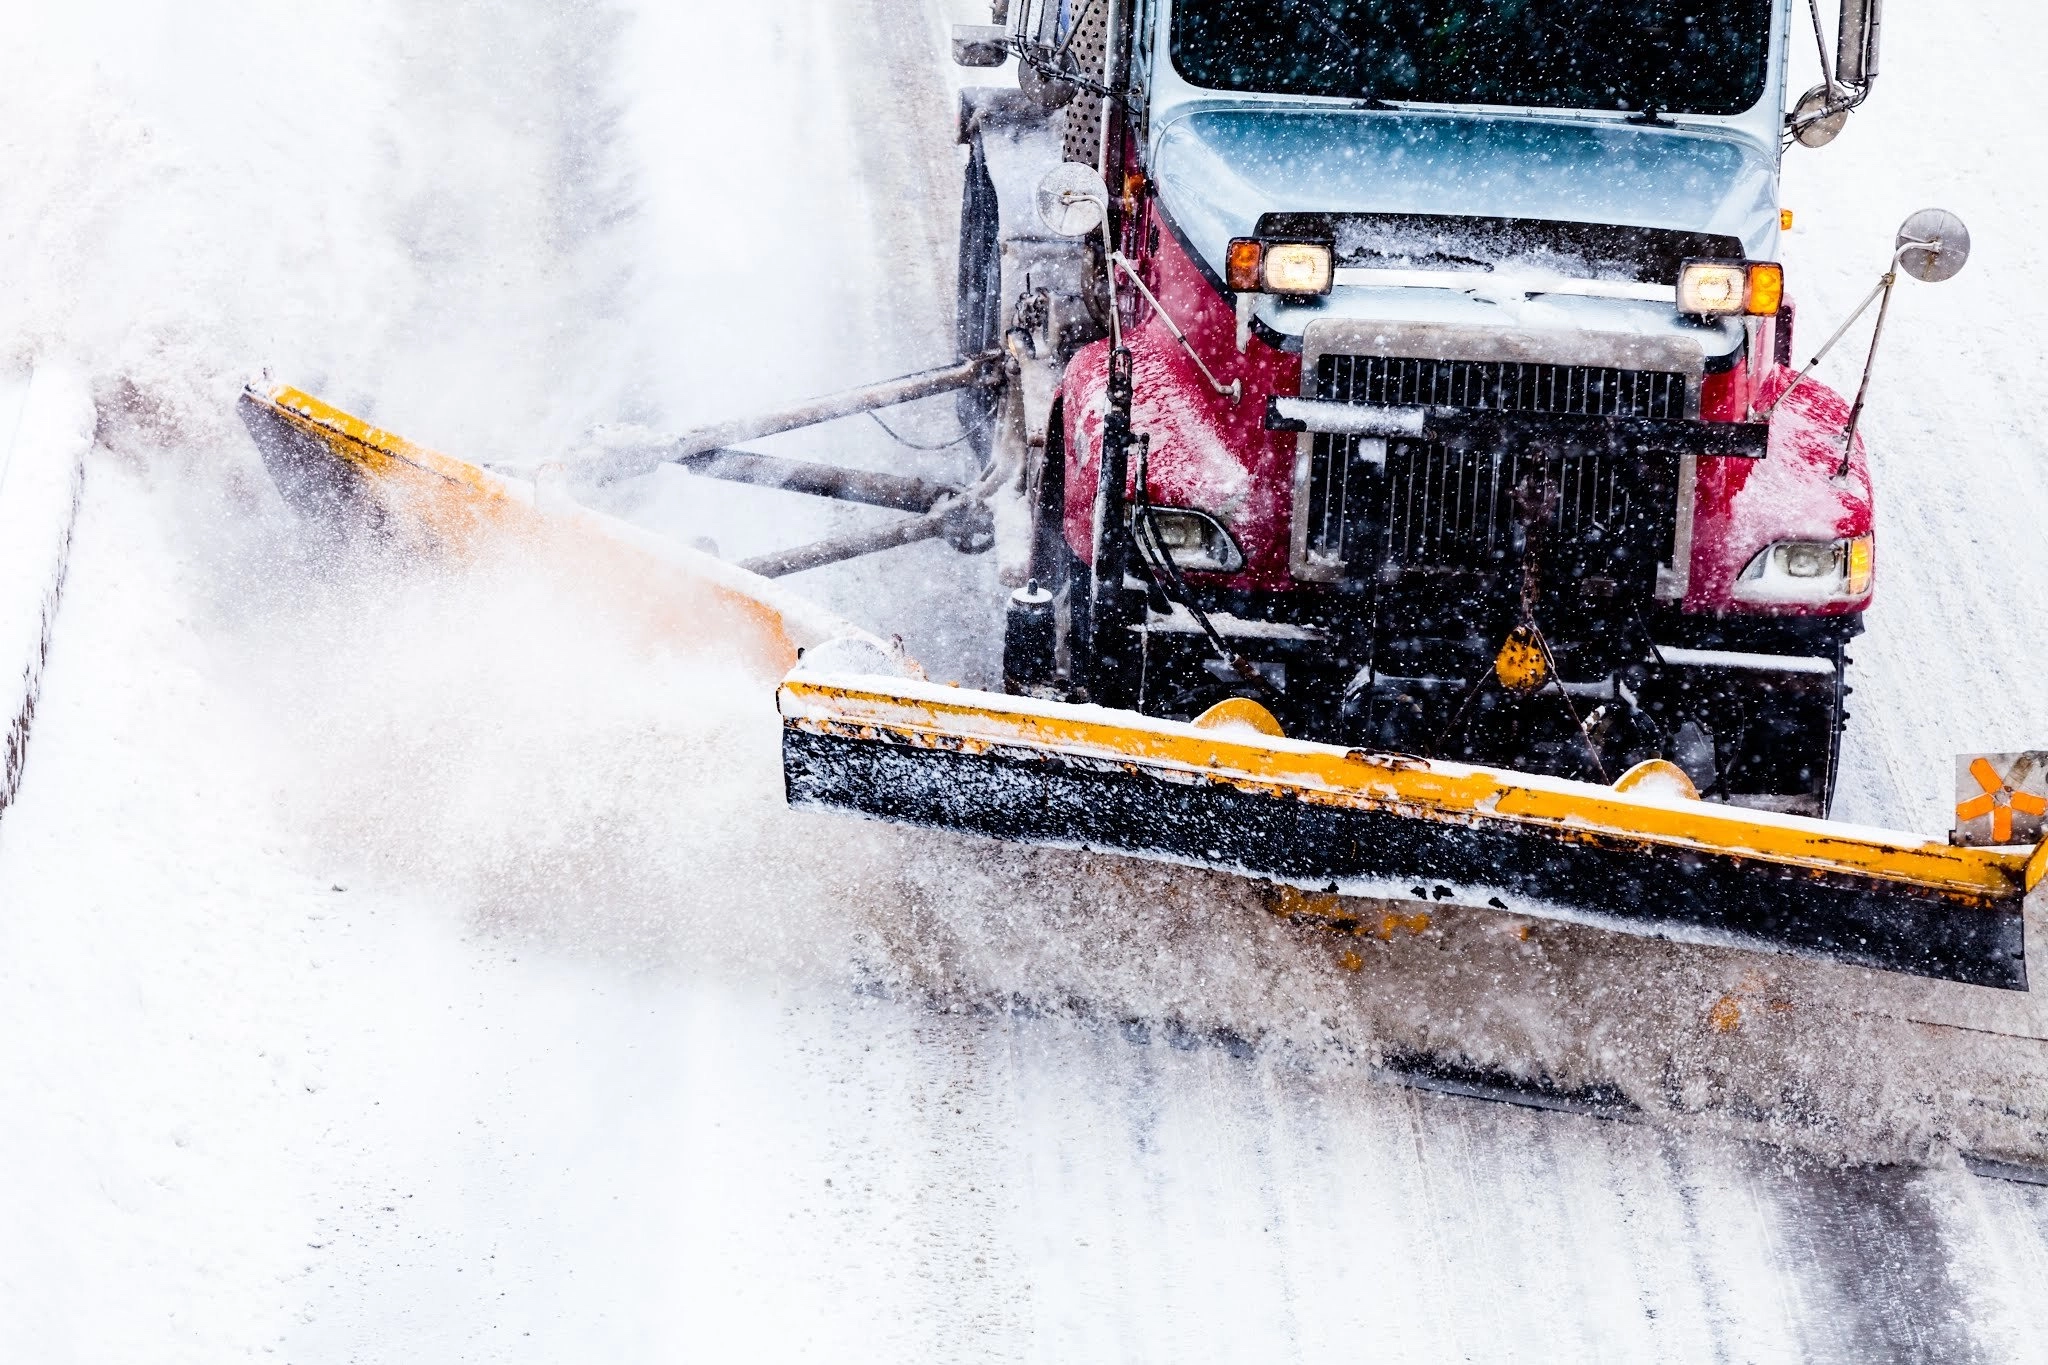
[[1458, 420]]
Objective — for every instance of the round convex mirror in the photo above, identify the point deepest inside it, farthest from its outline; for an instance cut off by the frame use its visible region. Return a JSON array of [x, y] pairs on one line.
[[1072, 200], [1933, 245], [1812, 124], [1050, 91]]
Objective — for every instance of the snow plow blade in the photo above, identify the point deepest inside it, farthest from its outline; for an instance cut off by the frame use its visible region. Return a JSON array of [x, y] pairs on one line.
[[859, 735], [340, 472], [1328, 819]]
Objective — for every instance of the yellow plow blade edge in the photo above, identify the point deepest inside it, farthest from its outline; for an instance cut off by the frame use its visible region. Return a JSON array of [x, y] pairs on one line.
[[337, 469], [1332, 819]]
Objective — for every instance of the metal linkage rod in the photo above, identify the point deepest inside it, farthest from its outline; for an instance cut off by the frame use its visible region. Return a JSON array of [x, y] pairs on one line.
[[612, 462], [1863, 388], [819, 553], [899, 491], [1234, 391], [1881, 288]]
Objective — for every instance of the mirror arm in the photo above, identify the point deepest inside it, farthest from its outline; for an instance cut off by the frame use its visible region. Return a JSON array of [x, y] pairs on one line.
[[1234, 390], [1818, 116], [1891, 277], [1840, 100], [1881, 287], [1820, 43]]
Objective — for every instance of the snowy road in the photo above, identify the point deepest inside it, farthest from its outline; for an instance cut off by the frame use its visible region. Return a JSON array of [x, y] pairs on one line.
[[402, 969]]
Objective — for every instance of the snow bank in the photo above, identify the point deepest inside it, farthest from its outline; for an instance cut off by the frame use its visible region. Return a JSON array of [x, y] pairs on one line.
[[46, 426]]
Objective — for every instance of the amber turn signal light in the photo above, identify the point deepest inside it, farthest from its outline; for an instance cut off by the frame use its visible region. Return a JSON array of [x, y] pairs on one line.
[[1134, 192], [1766, 288], [1241, 265]]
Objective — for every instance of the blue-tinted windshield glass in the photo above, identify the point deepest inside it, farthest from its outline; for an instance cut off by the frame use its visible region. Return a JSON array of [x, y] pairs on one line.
[[1674, 56]]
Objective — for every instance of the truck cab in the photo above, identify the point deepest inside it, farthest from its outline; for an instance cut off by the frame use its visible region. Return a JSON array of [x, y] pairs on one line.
[[1425, 379]]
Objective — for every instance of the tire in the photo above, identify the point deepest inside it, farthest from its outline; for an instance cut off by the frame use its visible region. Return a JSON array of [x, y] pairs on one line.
[[1062, 572], [1840, 718], [1054, 565], [1770, 743], [979, 304]]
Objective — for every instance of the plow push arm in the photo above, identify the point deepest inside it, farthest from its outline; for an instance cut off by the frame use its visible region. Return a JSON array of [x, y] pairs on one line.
[[640, 453], [956, 512]]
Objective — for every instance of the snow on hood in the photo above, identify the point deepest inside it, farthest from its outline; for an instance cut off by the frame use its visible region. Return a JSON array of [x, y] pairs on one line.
[[1218, 170]]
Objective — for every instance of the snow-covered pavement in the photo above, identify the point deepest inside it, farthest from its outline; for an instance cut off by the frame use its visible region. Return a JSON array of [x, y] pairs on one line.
[[406, 966]]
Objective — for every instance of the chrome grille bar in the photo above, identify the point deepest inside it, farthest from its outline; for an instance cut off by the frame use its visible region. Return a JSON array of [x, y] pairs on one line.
[[1500, 386]]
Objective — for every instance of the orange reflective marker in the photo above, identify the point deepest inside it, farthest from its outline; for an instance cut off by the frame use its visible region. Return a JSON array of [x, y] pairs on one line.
[[1998, 801]]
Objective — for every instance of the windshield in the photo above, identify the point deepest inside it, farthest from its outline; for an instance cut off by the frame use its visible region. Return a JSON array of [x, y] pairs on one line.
[[1671, 56]]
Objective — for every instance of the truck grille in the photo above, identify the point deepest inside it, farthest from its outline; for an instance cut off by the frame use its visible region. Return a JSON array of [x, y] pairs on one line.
[[1426, 505], [1500, 386], [1458, 510]]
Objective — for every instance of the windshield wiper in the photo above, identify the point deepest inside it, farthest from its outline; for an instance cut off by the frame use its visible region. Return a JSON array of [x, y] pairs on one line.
[[1320, 17]]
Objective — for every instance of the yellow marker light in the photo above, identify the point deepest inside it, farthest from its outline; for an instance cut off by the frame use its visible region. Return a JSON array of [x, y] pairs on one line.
[[1298, 268], [1766, 288], [1242, 713], [1862, 554], [1520, 665], [1134, 192], [1241, 265], [1784, 220], [1713, 288]]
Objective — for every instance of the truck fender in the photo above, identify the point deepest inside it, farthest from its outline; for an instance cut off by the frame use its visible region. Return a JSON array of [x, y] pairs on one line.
[[1791, 494]]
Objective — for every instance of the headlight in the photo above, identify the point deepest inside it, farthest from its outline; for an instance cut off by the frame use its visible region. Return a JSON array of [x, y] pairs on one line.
[[1296, 269], [1725, 288], [1194, 540], [1808, 572]]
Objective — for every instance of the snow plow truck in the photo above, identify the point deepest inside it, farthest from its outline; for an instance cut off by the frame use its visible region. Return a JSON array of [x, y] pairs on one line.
[[1389, 429]]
